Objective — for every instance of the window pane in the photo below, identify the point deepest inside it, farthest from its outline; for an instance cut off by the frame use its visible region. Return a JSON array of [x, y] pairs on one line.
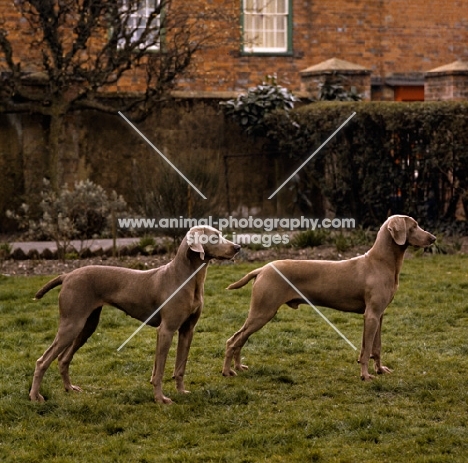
[[248, 29], [146, 5], [137, 34], [257, 32], [270, 6], [137, 20], [282, 6], [281, 24], [249, 6], [270, 22], [281, 40], [248, 23], [269, 41], [265, 25]]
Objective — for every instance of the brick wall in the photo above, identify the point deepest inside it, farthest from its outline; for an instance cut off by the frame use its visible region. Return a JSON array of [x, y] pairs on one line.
[[385, 36]]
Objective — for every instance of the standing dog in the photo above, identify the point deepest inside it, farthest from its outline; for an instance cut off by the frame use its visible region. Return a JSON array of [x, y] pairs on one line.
[[364, 285], [139, 294]]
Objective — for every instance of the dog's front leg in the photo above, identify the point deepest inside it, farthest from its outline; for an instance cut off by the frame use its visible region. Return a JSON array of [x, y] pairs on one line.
[[371, 325], [162, 349], [183, 346], [376, 347]]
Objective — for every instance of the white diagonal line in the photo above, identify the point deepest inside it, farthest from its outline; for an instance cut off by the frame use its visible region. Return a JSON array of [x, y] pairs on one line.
[[313, 154], [315, 308], [163, 304], [164, 157]]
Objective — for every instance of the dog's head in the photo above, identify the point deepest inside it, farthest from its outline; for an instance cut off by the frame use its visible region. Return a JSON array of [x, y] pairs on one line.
[[210, 243], [406, 231]]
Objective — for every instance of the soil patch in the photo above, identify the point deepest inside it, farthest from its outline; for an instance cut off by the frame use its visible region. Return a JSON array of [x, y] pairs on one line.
[[140, 262]]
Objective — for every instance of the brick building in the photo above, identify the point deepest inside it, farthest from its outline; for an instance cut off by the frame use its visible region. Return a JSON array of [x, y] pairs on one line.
[[396, 42]]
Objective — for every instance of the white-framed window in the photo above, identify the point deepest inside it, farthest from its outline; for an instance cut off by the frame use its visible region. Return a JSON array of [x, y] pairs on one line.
[[137, 14], [266, 26]]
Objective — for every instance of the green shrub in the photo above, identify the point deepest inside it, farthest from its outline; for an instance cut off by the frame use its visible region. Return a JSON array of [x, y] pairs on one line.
[[310, 239], [342, 242], [5, 251], [145, 241], [161, 192], [392, 157], [81, 213], [363, 236], [250, 110]]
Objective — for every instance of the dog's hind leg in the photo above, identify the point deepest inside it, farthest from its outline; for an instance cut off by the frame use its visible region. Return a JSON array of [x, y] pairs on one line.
[[67, 332], [235, 343], [65, 358]]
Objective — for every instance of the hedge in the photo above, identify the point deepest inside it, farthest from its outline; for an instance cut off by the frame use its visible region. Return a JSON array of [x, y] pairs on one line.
[[391, 157]]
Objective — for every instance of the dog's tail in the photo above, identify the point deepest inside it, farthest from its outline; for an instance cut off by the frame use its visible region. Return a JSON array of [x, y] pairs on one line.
[[244, 280], [48, 286]]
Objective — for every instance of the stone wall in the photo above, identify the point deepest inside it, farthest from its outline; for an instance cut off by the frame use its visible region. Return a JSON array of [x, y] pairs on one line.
[[451, 84], [193, 134]]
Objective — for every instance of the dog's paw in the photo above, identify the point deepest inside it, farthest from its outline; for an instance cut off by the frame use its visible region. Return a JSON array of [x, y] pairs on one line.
[[74, 388], [242, 367], [163, 400], [36, 398], [383, 370]]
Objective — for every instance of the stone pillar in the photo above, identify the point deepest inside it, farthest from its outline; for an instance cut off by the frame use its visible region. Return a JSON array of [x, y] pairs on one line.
[[351, 76], [448, 82]]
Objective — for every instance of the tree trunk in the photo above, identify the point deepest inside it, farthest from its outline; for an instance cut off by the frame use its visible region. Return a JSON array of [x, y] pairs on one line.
[[55, 139]]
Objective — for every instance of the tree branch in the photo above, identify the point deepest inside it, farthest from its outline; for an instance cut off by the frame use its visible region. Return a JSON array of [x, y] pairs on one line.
[[85, 46]]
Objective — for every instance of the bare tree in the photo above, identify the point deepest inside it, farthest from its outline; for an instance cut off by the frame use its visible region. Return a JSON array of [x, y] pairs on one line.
[[80, 49]]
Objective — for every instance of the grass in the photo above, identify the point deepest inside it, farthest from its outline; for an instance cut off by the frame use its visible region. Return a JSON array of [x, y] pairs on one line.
[[300, 401]]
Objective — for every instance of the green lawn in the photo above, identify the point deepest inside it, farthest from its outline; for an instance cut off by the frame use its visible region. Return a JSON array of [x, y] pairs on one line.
[[301, 400]]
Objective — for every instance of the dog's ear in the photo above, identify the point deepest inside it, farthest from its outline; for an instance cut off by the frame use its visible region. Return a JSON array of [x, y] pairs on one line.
[[193, 240], [397, 228]]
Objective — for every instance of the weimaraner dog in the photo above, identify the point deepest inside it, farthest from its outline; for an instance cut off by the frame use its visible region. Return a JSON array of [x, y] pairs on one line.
[[139, 294], [364, 285]]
